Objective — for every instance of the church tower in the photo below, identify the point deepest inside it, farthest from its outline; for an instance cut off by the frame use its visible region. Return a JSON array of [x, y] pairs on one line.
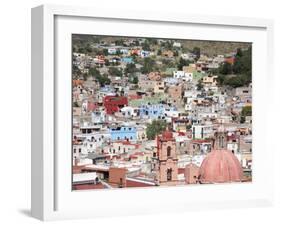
[[167, 172], [220, 141]]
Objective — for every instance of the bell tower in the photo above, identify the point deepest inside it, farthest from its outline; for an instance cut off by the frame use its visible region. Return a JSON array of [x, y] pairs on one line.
[[167, 172], [220, 142]]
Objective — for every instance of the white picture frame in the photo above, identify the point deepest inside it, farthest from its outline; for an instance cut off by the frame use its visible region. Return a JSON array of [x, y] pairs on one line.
[[52, 198]]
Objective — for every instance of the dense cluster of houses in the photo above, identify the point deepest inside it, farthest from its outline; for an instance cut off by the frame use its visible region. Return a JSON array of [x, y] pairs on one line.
[[111, 122]]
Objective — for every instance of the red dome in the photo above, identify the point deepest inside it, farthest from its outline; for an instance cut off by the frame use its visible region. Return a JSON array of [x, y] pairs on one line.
[[220, 166]]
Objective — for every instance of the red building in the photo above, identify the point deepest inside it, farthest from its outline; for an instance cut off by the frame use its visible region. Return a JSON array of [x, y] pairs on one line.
[[113, 104]]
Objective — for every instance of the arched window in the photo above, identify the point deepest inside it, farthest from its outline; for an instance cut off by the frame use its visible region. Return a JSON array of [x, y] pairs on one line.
[[169, 151], [169, 174]]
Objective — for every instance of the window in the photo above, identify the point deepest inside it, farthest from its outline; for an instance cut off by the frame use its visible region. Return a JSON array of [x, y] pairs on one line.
[[80, 150], [169, 151], [74, 150], [169, 174]]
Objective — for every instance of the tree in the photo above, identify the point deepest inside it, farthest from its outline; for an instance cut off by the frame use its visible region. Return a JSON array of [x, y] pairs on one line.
[[196, 51], [221, 79], [237, 66], [155, 128], [94, 72], [246, 111], [239, 53], [235, 81], [113, 71], [199, 85], [182, 63], [107, 63], [102, 79], [130, 68], [105, 52], [148, 65], [242, 68], [134, 80], [146, 46], [88, 48], [119, 42], [226, 68], [159, 52], [243, 63], [81, 50]]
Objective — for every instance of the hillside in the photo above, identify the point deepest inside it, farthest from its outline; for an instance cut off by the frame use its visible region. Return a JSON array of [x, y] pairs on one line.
[[212, 48]]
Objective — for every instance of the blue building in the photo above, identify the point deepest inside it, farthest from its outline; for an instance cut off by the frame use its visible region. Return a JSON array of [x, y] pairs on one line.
[[152, 111], [127, 60], [123, 133]]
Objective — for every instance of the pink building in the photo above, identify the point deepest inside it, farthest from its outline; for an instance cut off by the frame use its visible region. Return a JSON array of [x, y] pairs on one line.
[[167, 172], [191, 173]]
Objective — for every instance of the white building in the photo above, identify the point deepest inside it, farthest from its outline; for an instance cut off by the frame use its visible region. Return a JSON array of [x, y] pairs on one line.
[[185, 56], [202, 131], [112, 50], [185, 76], [98, 117], [129, 112], [177, 44]]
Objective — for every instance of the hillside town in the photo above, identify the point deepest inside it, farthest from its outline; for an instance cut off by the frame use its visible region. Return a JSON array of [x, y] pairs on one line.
[[160, 112]]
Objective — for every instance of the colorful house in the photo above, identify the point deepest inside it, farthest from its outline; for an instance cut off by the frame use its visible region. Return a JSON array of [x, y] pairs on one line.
[[113, 104], [127, 60], [123, 133], [152, 111]]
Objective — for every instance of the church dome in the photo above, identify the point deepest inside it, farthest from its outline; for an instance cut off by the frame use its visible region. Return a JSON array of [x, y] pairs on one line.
[[220, 166]]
